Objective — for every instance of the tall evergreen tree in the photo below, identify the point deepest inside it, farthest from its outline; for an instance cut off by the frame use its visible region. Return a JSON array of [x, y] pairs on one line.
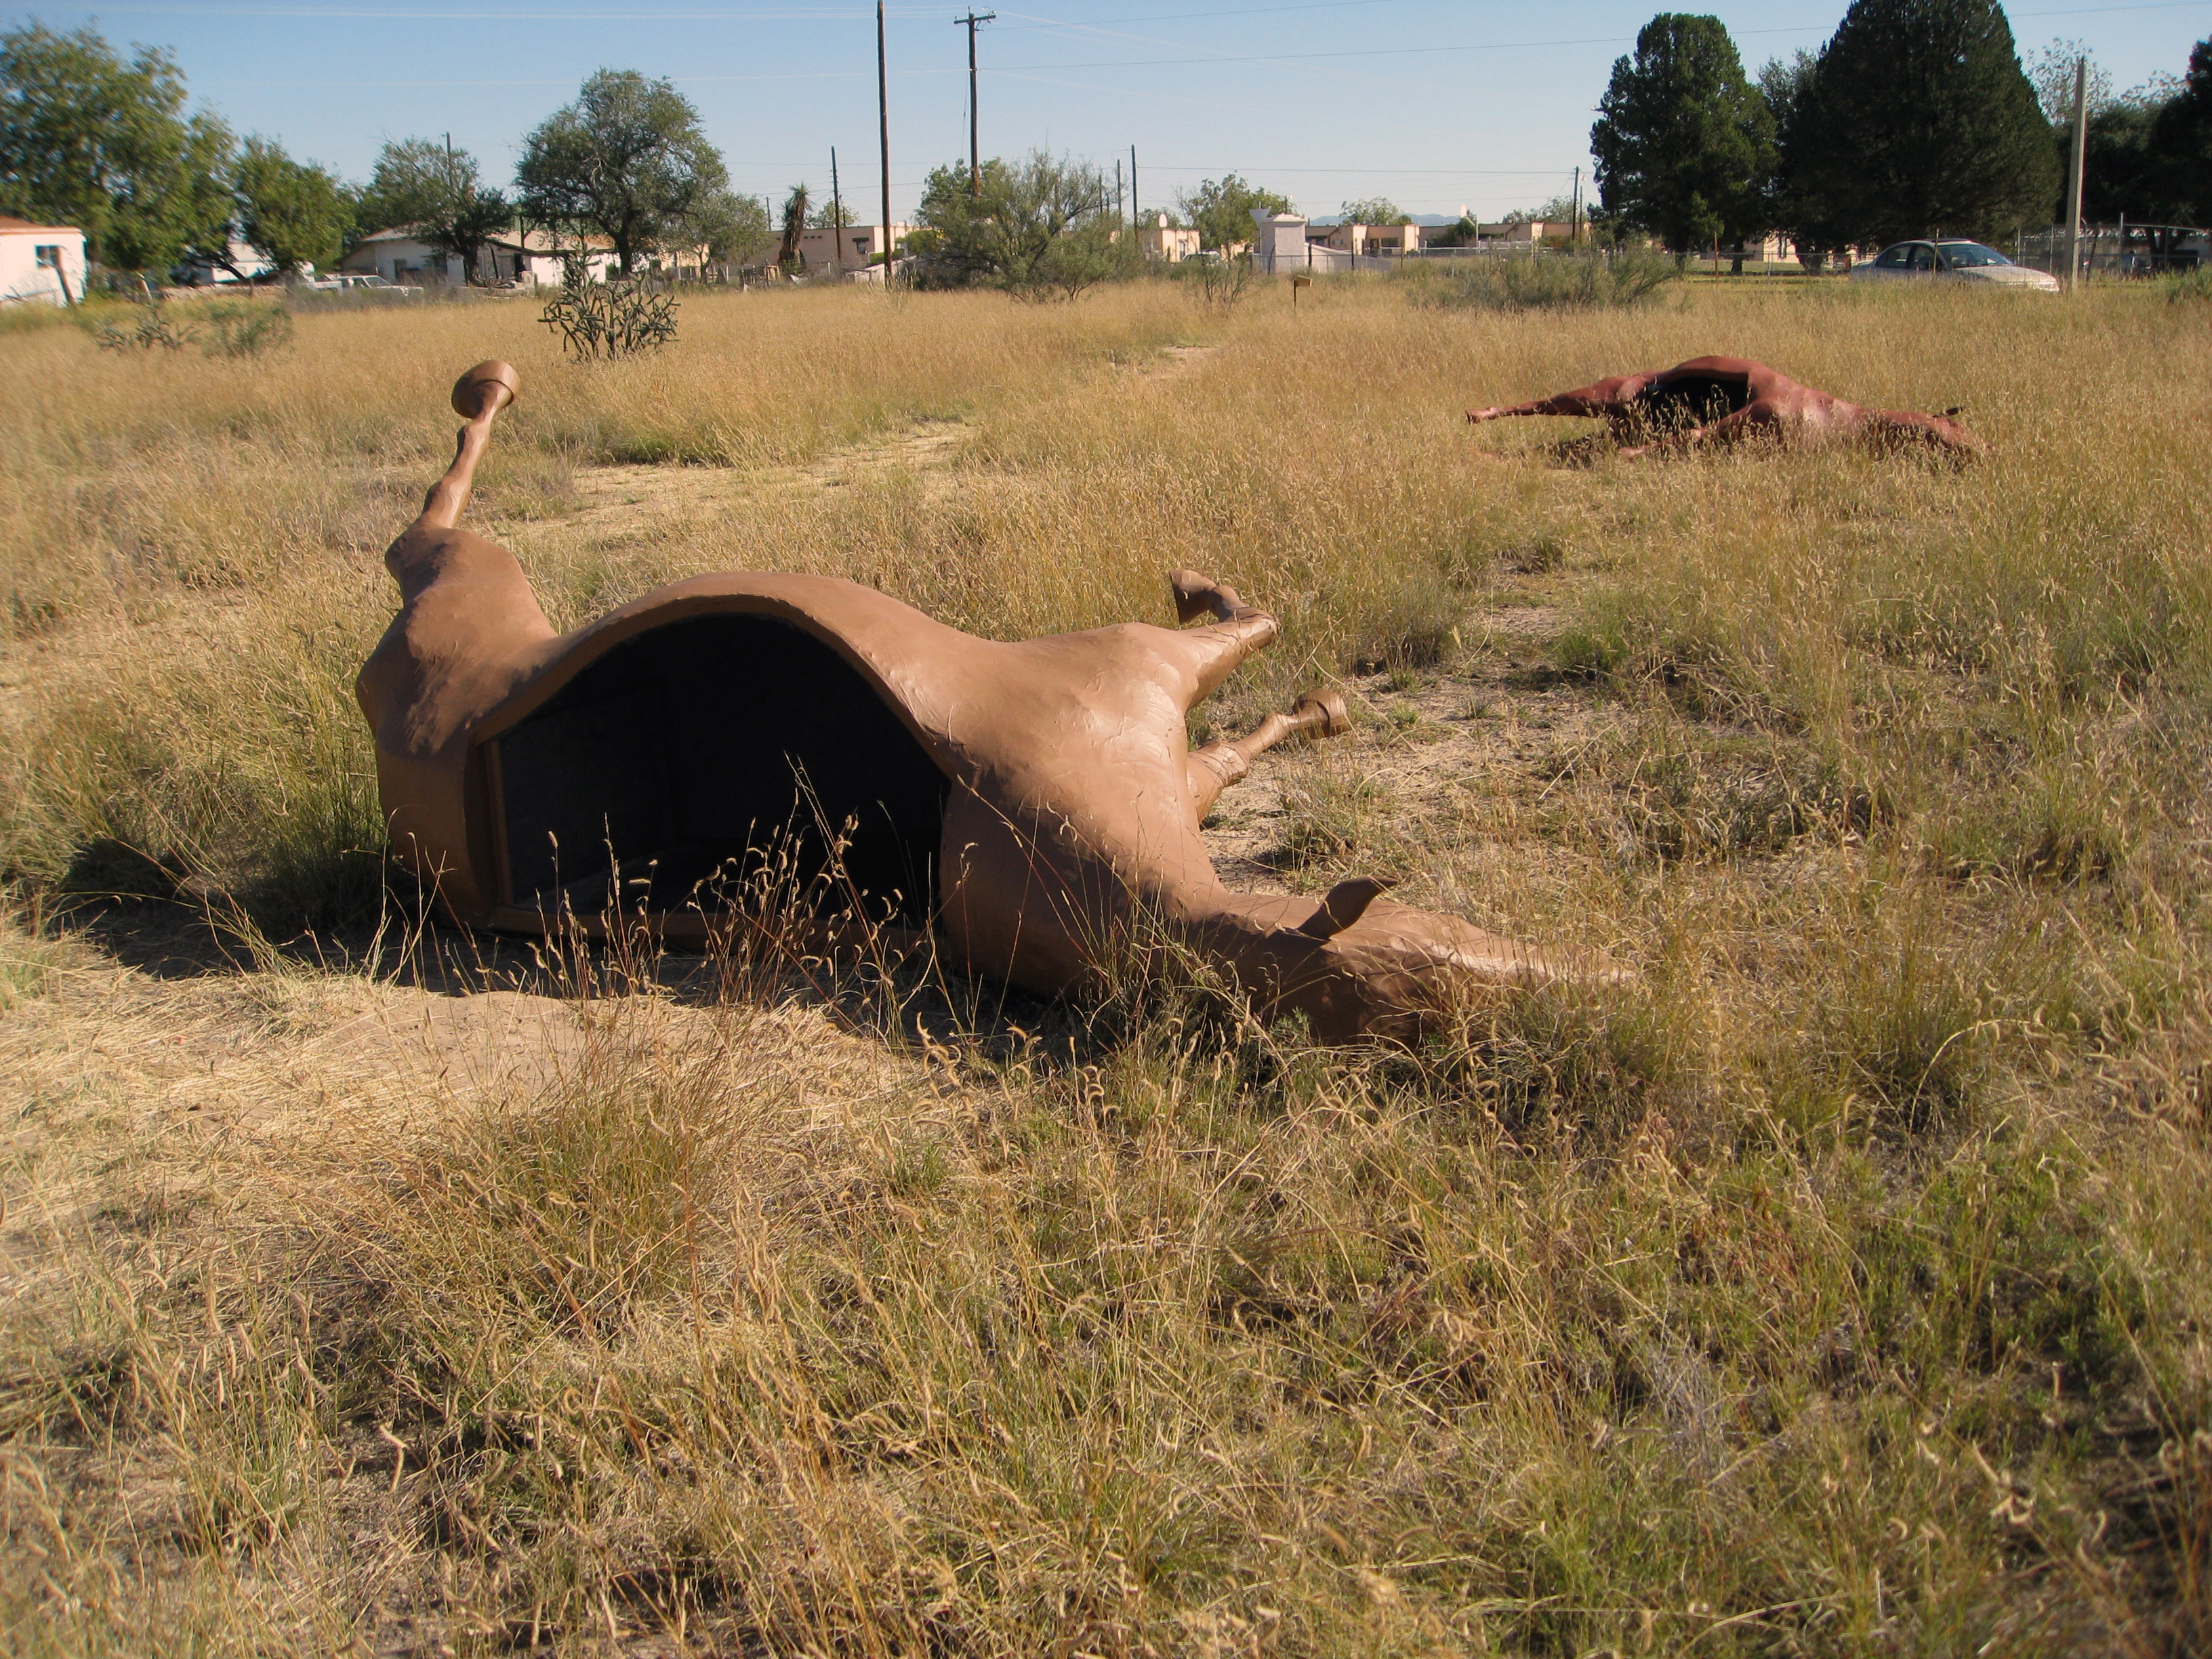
[[1793, 205], [1918, 119], [1685, 147], [88, 140], [2181, 139]]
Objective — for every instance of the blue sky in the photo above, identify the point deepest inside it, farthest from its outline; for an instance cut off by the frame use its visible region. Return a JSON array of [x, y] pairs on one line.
[[1481, 104]]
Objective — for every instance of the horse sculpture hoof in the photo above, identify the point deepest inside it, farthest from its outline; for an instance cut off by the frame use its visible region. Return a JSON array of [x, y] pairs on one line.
[[490, 380]]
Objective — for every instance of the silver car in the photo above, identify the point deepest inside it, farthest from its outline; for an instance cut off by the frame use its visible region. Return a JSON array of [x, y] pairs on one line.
[[1956, 261]]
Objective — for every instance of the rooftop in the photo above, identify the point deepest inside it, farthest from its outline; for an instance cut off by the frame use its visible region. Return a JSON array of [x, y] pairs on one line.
[[538, 242]]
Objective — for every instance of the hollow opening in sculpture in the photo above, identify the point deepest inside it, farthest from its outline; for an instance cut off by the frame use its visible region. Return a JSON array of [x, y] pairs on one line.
[[1692, 400], [691, 764]]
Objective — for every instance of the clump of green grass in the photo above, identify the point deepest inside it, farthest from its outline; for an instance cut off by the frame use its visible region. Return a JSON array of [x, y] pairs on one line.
[[1734, 797], [1331, 814], [2183, 287], [1541, 279], [30, 957]]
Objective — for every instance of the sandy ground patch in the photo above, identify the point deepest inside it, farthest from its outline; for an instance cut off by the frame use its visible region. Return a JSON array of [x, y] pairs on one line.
[[1425, 749]]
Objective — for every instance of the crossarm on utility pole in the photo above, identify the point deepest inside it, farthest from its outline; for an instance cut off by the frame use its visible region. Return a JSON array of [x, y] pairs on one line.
[[975, 156]]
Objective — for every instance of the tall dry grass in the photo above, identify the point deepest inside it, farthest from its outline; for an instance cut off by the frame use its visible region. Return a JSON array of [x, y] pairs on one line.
[[1837, 1284]]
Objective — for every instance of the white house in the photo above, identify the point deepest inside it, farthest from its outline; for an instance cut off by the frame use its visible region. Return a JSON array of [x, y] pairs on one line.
[[1278, 241], [42, 263], [1281, 246], [1374, 241], [397, 255], [400, 256], [534, 259]]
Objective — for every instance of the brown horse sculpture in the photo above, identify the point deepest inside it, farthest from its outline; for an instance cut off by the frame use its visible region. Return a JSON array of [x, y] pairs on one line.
[[1725, 400], [1034, 803]]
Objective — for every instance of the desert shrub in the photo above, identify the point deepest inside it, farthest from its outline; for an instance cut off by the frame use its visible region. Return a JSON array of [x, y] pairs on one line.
[[1221, 284], [1039, 228], [1903, 1030], [149, 326], [1414, 624], [229, 328], [244, 328], [621, 318], [1549, 282], [1733, 798]]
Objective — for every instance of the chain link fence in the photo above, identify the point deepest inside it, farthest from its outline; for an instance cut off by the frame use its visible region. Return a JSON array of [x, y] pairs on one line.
[[2118, 250]]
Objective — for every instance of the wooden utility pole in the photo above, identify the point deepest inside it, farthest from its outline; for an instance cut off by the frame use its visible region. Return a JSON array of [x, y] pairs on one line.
[[1133, 186], [883, 111], [836, 218], [1119, 201], [1575, 213], [2074, 171], [975, 158]]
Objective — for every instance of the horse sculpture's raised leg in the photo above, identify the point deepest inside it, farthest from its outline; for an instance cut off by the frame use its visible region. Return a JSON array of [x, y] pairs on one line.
[[1316, 714], [478, 396], [1238, 630]]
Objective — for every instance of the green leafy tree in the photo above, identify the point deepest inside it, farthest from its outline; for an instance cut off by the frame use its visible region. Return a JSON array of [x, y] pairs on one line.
[[1464, 231], [438, 193], [89, 140], [1685, 147], [1919, 120], [1040, 229], [1556, 211], [832, 215], [291, 213], [2050, 72], [2126, 172], [627, 160], [1222, 212], [1373, 210], [732, 228]]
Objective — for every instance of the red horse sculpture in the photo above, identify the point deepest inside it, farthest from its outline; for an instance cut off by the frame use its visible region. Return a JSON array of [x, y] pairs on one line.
[[1725, 400]]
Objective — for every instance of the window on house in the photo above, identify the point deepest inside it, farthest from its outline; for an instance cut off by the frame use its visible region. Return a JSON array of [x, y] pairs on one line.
[[49, 257]]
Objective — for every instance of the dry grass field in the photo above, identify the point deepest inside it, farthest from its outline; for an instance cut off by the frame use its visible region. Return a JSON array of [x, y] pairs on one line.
[[1840, 1284]]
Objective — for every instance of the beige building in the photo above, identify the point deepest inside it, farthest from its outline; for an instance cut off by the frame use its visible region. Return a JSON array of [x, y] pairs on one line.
[[1369, 241], [855, 249], [1167, 243]]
